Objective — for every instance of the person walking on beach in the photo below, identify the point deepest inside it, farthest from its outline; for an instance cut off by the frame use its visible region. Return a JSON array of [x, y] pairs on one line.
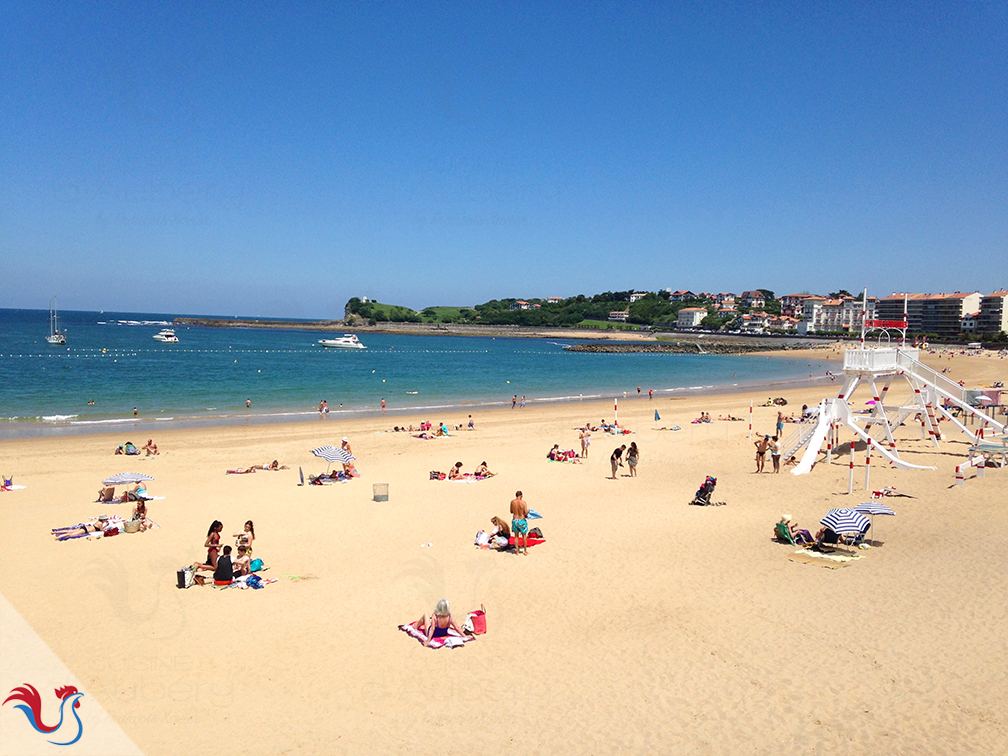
[[650, 394], [775, 453], [383, 405], [523, 403], [632, 456], [761, 449], [638, 392], [585, 437], [616, 460], [514, 401], [519, 521]]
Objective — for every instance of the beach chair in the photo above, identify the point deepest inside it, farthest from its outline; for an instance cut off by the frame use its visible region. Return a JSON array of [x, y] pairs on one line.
[[784, 534], [703, 494]]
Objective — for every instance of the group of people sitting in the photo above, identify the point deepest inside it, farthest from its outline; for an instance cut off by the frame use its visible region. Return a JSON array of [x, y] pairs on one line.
[[803, 537], [137, 493], [704, 418], [428, 431], [455, 473], [225, 567], [107, 525], [556, 454], [150, 448]]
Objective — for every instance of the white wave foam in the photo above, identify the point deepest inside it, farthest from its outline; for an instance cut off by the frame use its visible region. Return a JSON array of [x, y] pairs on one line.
[[58, 418]]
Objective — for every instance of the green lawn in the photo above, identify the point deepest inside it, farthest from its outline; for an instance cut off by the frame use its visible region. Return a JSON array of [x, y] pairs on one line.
[[607, 324]]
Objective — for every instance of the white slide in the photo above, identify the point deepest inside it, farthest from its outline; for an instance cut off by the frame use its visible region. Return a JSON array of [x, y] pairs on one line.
[[815, 443]]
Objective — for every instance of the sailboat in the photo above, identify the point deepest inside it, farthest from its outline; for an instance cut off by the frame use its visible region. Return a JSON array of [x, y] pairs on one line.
[[54, 337]]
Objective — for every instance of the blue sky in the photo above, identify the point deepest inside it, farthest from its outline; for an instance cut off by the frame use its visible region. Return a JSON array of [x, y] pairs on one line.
[[264, 160]]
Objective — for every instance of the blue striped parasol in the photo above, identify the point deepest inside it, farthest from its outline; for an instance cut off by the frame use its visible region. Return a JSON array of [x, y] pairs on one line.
[[845, 520], [332, 455], [874, 508], [127, 477]]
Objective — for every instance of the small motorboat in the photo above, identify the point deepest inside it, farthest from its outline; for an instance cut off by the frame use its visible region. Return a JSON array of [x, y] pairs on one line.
[[55, 336], [166, 336], [346, 341]]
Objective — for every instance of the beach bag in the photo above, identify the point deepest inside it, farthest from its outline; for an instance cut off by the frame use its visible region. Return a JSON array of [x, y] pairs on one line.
[[475, 623], [132, 526], [254, 581], [535, 533], [186, 576], [435, 475], [255, 565]]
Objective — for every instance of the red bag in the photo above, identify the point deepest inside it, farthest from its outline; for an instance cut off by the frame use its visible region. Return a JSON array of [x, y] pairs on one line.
[[478, 621]]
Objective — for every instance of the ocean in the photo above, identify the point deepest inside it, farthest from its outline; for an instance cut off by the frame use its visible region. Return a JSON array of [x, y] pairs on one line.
[[112, 360]]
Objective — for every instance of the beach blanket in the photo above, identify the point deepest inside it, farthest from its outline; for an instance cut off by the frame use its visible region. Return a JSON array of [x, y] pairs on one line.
[[831, 561], [532, 541], [467, 478], [246, 582], [430, 436], [452, 640], [13, 488]]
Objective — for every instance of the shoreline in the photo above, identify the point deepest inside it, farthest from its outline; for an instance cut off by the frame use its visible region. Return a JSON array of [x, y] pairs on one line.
[[12, 431]]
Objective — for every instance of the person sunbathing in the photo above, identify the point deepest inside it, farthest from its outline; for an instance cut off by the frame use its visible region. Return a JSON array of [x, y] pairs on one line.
[[456, 472], [246, 537], [439, 623], [150, 447], [136, 493], [212, 546], [76, 531], [482, 471], [140, 515], [799, 535]]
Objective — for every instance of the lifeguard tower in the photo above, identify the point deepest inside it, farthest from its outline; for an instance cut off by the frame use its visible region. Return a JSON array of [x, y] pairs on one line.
[[931, 396]]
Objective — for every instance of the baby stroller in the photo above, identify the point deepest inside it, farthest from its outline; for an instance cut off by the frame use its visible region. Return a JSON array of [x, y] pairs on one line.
[[703, 494]]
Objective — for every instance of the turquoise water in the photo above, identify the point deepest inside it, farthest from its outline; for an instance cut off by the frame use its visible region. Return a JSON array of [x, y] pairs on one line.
[[112, 359]]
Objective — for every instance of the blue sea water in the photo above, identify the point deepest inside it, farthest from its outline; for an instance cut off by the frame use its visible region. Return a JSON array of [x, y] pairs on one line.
[[112, 359]]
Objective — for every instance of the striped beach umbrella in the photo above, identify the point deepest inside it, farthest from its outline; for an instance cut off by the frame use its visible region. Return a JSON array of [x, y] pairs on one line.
[[126, 477], [845, 520], [334, 455], [873, 508]]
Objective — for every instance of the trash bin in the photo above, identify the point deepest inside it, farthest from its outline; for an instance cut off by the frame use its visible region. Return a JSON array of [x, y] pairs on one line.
[[381, 491]]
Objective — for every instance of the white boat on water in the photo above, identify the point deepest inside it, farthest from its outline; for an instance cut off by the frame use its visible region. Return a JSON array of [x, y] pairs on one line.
[[346, 341], [166, 336], [55, 336]]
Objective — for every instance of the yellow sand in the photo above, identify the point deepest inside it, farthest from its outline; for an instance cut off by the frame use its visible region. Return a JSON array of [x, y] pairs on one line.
[[642, 624]]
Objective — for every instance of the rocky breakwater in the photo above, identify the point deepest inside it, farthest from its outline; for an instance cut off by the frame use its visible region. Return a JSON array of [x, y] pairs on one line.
[[676, 347]]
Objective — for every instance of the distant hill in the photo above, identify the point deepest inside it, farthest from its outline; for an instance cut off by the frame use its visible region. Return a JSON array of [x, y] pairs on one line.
[[580, 311]]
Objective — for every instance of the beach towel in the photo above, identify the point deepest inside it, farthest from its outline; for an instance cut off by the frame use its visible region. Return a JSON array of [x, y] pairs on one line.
[[452, 640], [533, 515], [532, 541], [14, 488], [831, 561]]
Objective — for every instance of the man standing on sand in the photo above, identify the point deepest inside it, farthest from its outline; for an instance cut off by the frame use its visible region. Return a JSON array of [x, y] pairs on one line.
[[514, 401], [780, 424], [616, 459], [761, 449], [650, 394], [519, 521], [775, 452]]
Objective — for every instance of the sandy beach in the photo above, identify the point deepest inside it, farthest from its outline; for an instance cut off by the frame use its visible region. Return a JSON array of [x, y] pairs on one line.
[[641, 624]]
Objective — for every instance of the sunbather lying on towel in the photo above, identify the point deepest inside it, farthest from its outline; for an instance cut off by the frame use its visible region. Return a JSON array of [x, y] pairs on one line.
[[439, 624], [106, 526]]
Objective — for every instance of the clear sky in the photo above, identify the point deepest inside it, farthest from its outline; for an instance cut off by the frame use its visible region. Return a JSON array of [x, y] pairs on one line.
[[260, 159]]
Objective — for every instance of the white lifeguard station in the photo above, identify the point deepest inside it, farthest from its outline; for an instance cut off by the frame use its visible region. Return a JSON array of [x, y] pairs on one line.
[[931, 395]]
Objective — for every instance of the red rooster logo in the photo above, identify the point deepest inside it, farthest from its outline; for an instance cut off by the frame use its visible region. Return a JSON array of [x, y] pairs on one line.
[[32, 708]]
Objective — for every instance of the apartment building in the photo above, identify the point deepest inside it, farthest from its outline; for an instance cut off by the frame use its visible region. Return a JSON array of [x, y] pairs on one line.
[[993, 315]]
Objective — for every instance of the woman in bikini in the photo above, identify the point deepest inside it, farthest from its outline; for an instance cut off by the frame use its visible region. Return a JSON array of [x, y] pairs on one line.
[[439, 623], [212, 546], [246, 537], [140, 515]]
